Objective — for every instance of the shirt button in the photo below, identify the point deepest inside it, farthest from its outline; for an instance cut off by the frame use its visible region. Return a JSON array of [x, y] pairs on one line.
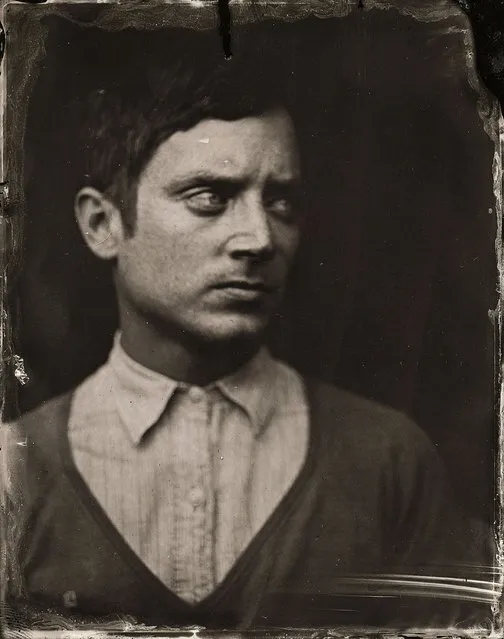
[[197, 498], [196, 394]]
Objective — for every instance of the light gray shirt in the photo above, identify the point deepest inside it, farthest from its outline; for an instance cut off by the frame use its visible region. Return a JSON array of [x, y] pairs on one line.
[[189, 475]]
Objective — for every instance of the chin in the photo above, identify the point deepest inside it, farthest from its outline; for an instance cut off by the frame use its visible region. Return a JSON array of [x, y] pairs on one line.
[[234, 329]]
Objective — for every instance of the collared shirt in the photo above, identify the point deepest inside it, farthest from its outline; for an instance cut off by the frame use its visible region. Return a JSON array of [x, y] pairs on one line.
[[189, 475]]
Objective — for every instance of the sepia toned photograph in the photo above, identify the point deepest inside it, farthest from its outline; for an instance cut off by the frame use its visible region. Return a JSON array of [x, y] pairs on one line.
[[250, 320]]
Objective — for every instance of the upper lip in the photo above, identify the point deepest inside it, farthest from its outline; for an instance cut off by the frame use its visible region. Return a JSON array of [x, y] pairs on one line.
[[249, 284]]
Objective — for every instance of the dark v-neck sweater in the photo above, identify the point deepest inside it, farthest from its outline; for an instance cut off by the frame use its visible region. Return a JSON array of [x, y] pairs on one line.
[[371, 498]]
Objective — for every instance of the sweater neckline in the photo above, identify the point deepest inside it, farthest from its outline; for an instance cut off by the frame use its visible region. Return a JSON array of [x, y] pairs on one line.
[[242, 566]]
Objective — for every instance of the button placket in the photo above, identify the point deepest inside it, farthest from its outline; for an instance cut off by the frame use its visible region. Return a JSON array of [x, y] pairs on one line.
[[199, 499], [192, 554]]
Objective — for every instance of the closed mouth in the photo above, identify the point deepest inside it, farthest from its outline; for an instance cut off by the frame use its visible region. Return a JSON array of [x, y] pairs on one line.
[[247, 285]]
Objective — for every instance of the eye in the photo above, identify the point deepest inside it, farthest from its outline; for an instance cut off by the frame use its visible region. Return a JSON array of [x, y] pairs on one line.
[[206, 201], [282, 206]]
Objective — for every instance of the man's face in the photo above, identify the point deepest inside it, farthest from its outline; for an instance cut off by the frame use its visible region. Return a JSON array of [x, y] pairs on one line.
[[216, 229]]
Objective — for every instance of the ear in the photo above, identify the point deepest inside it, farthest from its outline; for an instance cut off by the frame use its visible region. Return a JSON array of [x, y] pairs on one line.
[[100, 222]]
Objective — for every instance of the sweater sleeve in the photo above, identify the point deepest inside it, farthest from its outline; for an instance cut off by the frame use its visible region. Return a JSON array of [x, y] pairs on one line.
[[441, 562], [28, 463], [14, 498], [430, 532]]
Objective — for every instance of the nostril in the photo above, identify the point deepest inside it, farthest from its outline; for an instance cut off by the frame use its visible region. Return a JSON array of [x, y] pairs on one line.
[[254, 253]]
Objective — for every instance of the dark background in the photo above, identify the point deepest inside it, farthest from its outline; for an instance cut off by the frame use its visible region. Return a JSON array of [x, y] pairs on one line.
[[397, 272]]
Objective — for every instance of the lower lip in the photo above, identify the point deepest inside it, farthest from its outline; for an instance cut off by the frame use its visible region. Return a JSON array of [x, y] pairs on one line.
[[244, 294]]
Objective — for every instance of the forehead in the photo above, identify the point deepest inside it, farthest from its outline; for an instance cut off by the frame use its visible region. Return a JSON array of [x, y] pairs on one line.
[[262, 146]]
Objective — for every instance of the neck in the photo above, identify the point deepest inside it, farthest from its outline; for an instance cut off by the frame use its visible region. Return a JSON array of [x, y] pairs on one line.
[[181, 358]]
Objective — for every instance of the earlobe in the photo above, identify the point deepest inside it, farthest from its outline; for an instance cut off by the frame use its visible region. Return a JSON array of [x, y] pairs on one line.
[[99, 221]]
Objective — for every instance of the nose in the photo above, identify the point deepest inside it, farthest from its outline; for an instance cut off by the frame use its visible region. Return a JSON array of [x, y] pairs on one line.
[[253, 238]]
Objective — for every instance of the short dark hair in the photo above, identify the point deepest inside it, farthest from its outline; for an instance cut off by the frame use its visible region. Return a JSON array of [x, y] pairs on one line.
[[179, 78]]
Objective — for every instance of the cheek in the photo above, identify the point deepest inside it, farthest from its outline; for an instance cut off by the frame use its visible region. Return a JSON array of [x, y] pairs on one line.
[[146, 260], [161, 258], [152, 254], [287, 240], [169, 231], [158, 242]]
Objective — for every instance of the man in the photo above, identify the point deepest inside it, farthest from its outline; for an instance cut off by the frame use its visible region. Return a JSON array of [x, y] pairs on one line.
[[193, 478]]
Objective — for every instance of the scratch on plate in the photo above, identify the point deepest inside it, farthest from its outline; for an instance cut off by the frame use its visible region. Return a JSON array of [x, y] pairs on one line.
[[19, 370]]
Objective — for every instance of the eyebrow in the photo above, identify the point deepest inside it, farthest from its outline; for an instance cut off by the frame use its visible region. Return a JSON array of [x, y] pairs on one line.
[[179, 184]]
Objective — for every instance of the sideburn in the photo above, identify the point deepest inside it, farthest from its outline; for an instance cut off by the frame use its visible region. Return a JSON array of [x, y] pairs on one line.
[[122, 193]]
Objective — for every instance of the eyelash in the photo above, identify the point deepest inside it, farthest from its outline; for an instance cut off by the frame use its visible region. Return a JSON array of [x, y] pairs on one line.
[[287, 212], [195, 203]]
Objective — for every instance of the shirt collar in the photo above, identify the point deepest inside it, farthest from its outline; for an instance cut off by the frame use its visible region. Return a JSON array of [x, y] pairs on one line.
[[252, 387], [142, 394]]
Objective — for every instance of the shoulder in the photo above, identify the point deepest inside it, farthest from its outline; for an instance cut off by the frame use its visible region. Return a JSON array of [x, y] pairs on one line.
[[34, 447], [359, 422], [36, 435], [345, 408], [30, 449], [373, 445], [42, 424]]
